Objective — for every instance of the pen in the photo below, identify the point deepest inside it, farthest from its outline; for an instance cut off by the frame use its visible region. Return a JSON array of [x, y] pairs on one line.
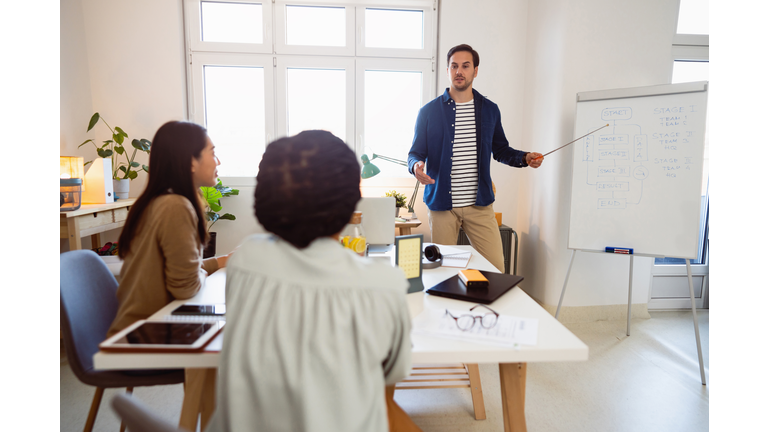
[[618, 250]]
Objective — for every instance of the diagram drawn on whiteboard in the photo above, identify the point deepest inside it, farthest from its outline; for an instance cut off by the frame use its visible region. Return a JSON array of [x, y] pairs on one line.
[[619, 157]]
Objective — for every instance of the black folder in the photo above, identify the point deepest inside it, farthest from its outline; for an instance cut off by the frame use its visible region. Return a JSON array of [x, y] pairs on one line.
[[498, 284]]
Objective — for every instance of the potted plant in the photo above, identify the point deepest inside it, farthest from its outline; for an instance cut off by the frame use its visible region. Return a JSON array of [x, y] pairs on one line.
[[213, 196], [122, 171], [399, 201]]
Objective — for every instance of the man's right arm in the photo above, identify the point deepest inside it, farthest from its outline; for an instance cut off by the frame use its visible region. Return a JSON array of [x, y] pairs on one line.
[[418, 152]]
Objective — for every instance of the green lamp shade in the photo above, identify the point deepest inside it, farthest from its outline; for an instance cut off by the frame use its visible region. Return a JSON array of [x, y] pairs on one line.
[[369, 169]]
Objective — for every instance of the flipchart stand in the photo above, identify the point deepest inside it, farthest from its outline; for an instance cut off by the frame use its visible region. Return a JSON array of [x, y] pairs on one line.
[[629, 301]]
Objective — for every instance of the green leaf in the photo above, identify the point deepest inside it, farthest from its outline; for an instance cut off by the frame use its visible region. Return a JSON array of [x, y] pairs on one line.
[[85, 142], [118, 138], [121, 132], [140, 145], [122, 168], [106, 143], [92, 123], [145, 168], [104, 153], [90, 161], [132, 175], [135, 164], [227, 216], [119, 149]]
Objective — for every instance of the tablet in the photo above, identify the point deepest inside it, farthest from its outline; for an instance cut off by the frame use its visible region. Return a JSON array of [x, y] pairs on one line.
[[163, 336], [201, 309]]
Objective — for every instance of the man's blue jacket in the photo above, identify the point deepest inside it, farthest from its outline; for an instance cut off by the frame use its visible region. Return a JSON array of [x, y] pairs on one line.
[[433, 143]]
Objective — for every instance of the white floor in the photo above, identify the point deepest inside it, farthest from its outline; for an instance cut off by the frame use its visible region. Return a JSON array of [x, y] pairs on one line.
[[646, 382]]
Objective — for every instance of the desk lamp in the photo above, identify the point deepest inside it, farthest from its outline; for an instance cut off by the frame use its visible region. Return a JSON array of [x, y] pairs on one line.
[[369, 170]]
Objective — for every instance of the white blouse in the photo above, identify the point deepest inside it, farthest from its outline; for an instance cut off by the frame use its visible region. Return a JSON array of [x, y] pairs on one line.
[[312, 337]]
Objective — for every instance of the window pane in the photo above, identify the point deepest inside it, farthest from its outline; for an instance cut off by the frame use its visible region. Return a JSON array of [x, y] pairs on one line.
[[232, 22], [392, 102], [687, 71], [315, 26], [235, 117], [694, 17], [317, 100], [386, 28]]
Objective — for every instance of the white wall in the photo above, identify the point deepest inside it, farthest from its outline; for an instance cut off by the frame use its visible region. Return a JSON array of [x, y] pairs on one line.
[[535, 57], [575, 47]]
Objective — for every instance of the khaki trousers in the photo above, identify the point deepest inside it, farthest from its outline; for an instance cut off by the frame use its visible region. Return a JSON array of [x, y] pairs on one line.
[[479, 224]]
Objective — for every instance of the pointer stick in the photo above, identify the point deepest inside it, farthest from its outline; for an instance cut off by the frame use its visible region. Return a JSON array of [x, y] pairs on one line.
[[606, 125]]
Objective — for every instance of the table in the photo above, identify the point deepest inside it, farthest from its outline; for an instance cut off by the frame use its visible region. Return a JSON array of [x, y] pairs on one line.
[[92, 220], [405, 227], [555, 343]]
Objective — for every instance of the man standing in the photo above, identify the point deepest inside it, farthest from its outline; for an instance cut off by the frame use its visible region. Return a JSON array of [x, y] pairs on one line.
[[457, 133]]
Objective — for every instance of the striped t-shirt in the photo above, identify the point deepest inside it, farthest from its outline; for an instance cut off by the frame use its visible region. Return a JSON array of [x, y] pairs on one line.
[[464, 161]]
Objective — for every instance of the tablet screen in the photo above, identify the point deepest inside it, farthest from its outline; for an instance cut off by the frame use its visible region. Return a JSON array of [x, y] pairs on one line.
[[166, 333]]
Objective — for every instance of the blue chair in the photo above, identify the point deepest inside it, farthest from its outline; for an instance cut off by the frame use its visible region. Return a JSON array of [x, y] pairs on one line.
[[138, 417], [88, 307]]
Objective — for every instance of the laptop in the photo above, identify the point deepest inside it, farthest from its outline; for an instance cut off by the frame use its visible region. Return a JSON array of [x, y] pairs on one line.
[[498, 284], [378, 222]]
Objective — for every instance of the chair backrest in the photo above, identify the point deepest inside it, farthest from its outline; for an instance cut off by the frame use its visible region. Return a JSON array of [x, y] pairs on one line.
[[137, 418], [88, 307]]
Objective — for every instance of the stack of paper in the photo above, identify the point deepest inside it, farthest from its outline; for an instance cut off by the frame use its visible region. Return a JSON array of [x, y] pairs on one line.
[[508, 331]]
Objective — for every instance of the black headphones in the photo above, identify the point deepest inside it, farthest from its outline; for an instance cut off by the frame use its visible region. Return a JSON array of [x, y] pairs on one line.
[[433, 257]]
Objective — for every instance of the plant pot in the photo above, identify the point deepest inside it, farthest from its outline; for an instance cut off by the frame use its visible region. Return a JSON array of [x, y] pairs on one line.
[[210, 248], [121, 188]]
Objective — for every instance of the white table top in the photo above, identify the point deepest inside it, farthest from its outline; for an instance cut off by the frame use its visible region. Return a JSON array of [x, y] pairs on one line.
[[555, 342]]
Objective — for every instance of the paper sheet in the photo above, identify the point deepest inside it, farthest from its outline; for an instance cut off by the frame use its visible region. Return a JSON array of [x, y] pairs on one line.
[[508, 331]]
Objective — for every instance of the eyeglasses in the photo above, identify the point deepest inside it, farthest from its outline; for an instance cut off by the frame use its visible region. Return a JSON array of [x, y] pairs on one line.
[[467, 321]]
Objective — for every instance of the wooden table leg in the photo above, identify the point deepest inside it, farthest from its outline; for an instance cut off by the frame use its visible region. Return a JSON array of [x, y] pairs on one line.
[[198, 397], [477, 390], [512, 377], [398, 419], [208, 400], [73, 231]]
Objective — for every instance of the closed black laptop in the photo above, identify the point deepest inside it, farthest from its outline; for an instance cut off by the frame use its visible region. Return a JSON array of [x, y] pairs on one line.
[[498, 284]]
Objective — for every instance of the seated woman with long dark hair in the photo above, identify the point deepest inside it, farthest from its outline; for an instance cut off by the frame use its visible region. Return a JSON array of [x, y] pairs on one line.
[[163, 237], [314, 331]]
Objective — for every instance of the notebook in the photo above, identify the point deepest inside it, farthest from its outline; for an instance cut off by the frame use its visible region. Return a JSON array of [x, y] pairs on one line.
[[499, 283], [378, 222]]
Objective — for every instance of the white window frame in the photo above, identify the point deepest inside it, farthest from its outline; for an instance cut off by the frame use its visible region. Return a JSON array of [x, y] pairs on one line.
[[305, 62], [281, 32], [429, 34], [192, 9], [197, 98], [427, 93], [276, 53]]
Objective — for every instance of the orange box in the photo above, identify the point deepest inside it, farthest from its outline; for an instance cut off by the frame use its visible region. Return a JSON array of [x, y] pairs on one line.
[[498, 218]]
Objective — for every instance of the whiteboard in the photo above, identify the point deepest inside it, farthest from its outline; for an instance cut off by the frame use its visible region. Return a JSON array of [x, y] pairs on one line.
[[637, 183]]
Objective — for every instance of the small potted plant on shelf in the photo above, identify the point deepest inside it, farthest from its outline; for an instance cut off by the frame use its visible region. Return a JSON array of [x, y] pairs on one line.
[[213, 196], [399, 201], [122, 171]]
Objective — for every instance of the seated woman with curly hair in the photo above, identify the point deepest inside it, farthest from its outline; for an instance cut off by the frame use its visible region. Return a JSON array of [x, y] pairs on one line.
[[314, 331]]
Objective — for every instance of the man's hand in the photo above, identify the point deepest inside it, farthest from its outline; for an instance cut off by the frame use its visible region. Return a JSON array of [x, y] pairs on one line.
[[418, 171], [533, 159]]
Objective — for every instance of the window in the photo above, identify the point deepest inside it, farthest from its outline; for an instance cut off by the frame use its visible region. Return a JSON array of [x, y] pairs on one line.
[[690, 62], [259, 70]]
